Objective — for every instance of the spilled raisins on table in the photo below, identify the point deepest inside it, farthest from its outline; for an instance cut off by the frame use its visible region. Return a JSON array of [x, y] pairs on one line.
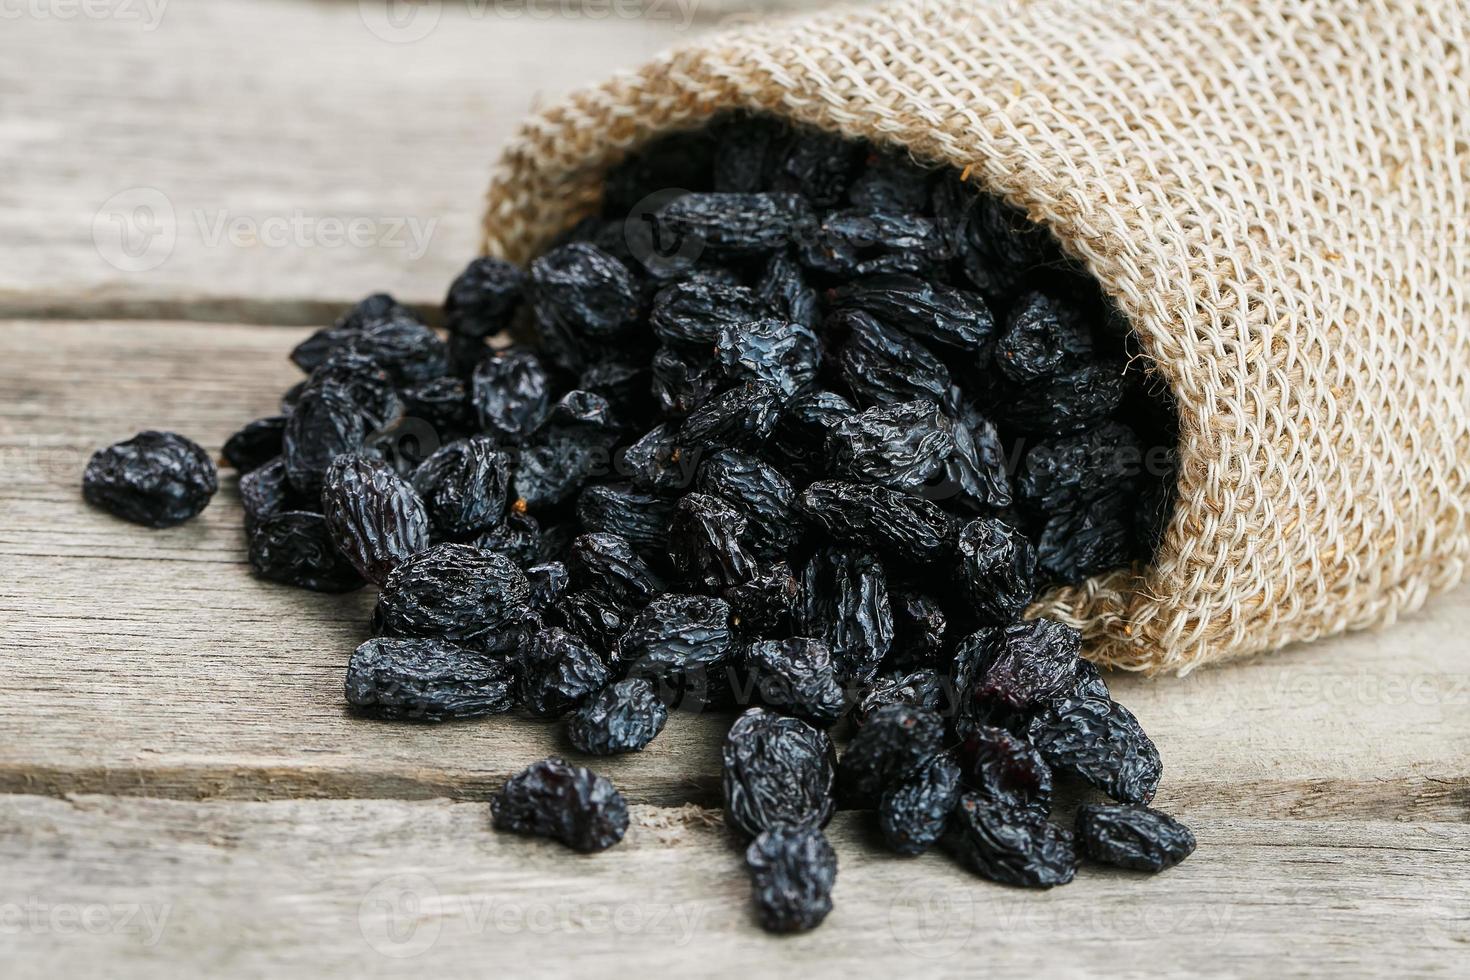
[[805, 440]]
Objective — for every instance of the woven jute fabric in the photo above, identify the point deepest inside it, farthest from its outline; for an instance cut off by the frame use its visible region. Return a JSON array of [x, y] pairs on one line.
[[1275, 193]]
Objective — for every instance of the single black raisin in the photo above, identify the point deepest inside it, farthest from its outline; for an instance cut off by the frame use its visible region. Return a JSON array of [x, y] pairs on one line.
[[792, 871], [1102, 742], [375, 517], [622, 717], [1132, 837], [1014, 845], [567, 803], [778, 771], [427, 680], [157, 479]]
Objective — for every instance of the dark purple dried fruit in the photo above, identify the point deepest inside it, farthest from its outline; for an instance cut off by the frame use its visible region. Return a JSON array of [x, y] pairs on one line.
[[906, 527], [558, 672], [817, 165], [511, 395], [518, 538], [740, 418], [796, 677], [845, 602], [622, 717], [483, 297], [1043, 337], [453, 591], [1096, 537], [594, 616], [902, 446], [772, 349], [920, 688], [920, 629], [1132, 837], [409, 351], [1004, 767], [693, 312], [157, 479], [683, 380], [784, 288], [762, 495], [1023, 664], [765, 604], [443, 404], [705, 545], [677, 641], [928, 310], [792, 870], [580, 293], [892, 744], [264, 491], [427, 680], [567, 803], [732, 224], [1000, 570], [778, 771], [375, 517], [1103, 743], [609, 564], [464, 485], [882, 366], [326, 424], [549, 581], [293, 547], [256, 444], [1014, 845], [617, 509], [914, 811], [865, 241]]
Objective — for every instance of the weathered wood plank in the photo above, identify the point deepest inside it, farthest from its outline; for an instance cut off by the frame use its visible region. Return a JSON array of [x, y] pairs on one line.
[[298, 888], [152, 663], [284, 153]]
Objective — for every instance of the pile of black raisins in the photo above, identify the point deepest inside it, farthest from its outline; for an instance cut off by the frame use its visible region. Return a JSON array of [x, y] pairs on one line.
[[793, 423]]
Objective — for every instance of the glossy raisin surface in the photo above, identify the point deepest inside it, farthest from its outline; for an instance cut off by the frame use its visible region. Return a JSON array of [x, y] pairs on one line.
[[792, 871], [567, 803], [157, 479], [778, 771], [427, 680]]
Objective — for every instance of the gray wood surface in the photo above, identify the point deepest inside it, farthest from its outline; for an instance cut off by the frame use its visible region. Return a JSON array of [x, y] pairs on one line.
[[377, 887], [181, 790]]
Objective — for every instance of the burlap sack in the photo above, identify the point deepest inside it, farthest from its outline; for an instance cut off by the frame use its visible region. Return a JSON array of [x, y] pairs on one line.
[[1274, 192]]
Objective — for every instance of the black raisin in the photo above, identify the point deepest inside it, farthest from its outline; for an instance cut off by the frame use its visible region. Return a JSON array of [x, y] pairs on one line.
[[511, 395], [778, 771], [1132, 837], [913, 812], [1014, 845], [609, 564], [705, 543], [906, 527], [293, 547], [1102, 742], [256, 444], [559, 671], [157, 479], [374, 516], [483, 297], [567, 803], [622, 717], [1000, 569], [453, 591], [893, 743], [845, 602], [1004, 767], [427, 680], [792, 871], [464, 485], [796, 677]]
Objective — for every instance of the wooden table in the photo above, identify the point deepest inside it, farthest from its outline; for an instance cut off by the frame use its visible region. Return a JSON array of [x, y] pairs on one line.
[[182, 790]]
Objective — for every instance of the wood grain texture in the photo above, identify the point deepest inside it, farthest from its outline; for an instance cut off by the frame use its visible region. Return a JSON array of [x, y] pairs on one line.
[[152, 663], [289, 155], [310, 888]]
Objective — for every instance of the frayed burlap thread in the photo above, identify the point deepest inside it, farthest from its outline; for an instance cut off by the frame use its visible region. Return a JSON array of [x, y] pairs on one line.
[[1274, 192]]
